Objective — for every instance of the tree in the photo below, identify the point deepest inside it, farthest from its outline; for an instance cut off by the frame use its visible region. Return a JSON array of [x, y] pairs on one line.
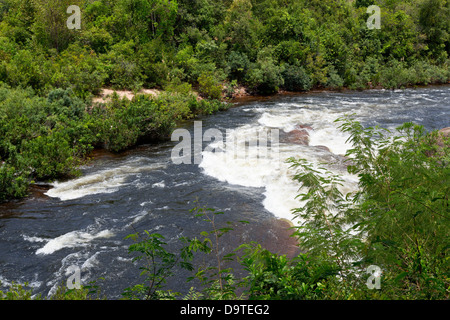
[[50, 25], [265, 76], [397, 220], [148, 19], [433, 19], [242, 27]]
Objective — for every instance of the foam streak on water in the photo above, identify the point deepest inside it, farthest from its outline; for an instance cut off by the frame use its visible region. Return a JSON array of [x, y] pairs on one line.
[[105, 181], [72, 239]]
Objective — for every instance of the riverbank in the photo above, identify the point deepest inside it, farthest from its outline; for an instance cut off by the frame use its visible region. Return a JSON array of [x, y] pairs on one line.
[[127, 197], [115, 126], [243, 95], [48, 138]]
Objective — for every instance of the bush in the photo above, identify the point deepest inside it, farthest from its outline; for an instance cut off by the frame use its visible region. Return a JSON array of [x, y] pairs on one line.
[[426, 73], [395, 75], [275, 277], [209, 86], [96, 38], [63, 103], [79, 68], [156, 59], [24, 70], [368, 74], [41, 138], [49, 156], [402, 199], [265, 76], [13, 182], [335, 81], [316, 67], [125, 123], [296, 79], [238, 65], [122, 69]]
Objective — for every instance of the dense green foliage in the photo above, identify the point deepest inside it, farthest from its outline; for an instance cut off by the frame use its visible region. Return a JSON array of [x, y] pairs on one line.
[[50, 72], [265, 45], [397, 221], [44, 138]]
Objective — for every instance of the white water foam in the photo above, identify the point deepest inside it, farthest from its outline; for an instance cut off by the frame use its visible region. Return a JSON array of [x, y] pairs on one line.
[[137, 217], [86, 261], [33, 239], [160, 184], [325, 131], [272, 172], [72, 239], [105, 181], [29, 284]]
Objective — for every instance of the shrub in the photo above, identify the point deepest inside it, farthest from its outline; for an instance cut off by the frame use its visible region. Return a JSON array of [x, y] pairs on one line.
[[316, 67], [158, 265], [296, 79], [291, 52], [96, 38], [62, 102], [156, 59], [79, 68], [368, 74], [49, 156], [402, 199], [238, 65], [24, 70], [334, 81], [209, 87], [426, 73], [125, 123], [13, 182], [42, 138], [122, 69], [395, 75], [275, 277], [265, 76]]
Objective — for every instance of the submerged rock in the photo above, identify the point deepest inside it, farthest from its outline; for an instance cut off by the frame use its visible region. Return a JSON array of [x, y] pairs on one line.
[[300, 135], [324, 148]]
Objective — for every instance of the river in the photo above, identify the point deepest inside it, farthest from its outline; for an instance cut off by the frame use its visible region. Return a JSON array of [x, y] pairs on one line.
[[84, 221]]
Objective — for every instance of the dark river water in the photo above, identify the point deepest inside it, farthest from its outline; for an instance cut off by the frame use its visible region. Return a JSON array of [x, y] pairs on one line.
[[83, 222]]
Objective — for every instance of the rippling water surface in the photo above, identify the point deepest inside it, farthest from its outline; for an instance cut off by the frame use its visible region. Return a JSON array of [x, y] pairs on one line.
[[84, 221]]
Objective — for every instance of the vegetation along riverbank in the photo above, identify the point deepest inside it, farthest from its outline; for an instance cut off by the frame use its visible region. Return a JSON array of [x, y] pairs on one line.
[[196, 55], [51, 74]]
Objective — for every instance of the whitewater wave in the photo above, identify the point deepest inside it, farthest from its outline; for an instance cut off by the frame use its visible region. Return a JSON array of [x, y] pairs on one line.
[[72, 239], [271, 172], [104, 181]]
